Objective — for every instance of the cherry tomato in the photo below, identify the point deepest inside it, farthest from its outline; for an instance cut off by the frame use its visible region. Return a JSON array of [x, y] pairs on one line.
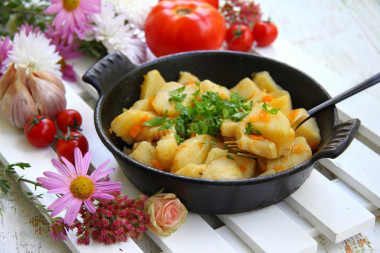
[[214, 3], [67, 143], [69, 118], [265, 33], [40, 131], [239, 38], [182, 25]]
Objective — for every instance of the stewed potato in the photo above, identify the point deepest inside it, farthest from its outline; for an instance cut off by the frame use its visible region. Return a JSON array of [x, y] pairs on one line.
[[179, 127]]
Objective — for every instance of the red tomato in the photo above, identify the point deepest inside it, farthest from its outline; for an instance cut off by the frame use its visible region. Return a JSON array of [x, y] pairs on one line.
[[265, 33], [239, 38], [67, 143], [40, 131], [179, 26], [69, 118], [214, 3]]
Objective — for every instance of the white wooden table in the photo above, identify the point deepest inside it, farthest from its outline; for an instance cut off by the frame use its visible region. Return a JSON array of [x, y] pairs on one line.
[[336, 42]]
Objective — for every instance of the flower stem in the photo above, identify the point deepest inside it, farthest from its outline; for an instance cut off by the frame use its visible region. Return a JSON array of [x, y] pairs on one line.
[[23, 11]]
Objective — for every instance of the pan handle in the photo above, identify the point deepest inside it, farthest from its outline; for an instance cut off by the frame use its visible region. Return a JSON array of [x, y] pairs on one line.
[[344, 133], [105, 71]]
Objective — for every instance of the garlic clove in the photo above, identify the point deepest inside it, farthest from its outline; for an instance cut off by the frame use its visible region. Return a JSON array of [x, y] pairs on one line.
[[17, 103], [50, 77], [7, 79], [49, 98]]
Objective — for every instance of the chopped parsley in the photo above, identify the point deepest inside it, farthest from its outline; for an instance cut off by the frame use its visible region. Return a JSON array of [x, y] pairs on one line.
[[203, 116], [230, 157], [251, 130], [271, 111]]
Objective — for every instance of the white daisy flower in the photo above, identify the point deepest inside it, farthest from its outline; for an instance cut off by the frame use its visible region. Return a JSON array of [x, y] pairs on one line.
[[110, 29], [136, 11], [34, 51]]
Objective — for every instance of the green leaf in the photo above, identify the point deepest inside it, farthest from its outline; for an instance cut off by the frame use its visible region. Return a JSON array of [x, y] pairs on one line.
[[271, 111], [156, 121], [4, 185], [230, 157]]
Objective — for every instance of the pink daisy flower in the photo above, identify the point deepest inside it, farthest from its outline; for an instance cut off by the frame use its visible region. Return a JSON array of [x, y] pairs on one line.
[[77, 187], [5, 47], [71, 18]]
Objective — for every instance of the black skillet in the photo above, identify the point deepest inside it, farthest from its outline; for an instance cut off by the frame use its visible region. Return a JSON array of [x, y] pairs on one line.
[[118, 82]]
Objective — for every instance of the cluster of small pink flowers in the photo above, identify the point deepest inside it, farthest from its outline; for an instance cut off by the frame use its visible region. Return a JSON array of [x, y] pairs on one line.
[[58, 230], [241, 12], [114, 221]]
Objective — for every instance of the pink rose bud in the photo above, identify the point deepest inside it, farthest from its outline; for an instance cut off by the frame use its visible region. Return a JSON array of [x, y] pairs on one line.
[[166, 213]]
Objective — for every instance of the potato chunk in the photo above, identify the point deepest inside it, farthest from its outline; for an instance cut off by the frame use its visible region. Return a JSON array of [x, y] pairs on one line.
[[193, 150], [143, 152], [273, 126], [186, 77], [192, 170], [128, 124], [165, 150], [300, 153], [228, 128], [222, 169], [161, 102], [309, 129], [207, 85], [281, 100], [153, 81], [255, 144], [265, 82], [246, 88]]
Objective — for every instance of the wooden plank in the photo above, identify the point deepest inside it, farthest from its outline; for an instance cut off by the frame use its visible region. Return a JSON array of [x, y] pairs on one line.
[[362, 173], [193, 236], [232, 239], [269, 230], [334, 213]]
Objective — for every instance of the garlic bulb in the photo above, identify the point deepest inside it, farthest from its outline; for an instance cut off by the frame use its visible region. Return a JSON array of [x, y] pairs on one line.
[[25, 95], [7, 79], [17, 104], [49, 96]]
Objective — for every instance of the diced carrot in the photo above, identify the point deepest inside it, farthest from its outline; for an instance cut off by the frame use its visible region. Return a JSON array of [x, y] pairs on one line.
[[243, 168], [157, 164], [137, 128], [150, 101], [262, 116], [180, 147], [267, 99], [110, 130], [193, 135], [191, 82], [222, 95], [298, 148], [292, 115], [256, 137], [279, 168], [200, 144]]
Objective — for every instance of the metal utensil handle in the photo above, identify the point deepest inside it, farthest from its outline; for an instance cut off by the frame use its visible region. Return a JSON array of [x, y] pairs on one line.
[[348, 93]]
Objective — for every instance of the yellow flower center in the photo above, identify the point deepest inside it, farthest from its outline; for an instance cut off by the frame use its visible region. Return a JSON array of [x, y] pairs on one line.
[[70, 5], [82, 187]]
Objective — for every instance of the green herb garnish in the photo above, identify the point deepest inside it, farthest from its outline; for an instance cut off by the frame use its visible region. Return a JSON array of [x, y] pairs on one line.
[[271, 111], [251, 130], [230, 157]]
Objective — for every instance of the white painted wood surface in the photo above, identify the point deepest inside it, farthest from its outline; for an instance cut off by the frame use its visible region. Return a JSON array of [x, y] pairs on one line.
[[333, 41]]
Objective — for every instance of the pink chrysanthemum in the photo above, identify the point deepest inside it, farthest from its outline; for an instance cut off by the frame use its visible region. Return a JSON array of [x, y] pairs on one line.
[[71, 18], [66, 51], [5, 47], [76, 186]]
